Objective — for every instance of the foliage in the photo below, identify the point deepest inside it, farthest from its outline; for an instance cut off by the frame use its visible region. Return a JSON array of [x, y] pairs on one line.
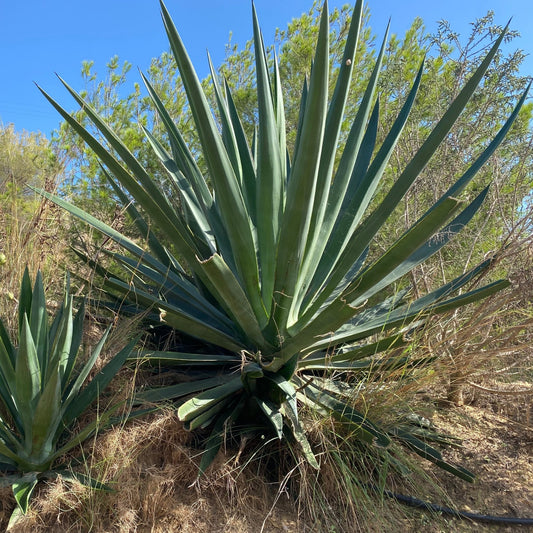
[[451, 62], [25, 158], [30, 228], [273, 270], [41, 390]]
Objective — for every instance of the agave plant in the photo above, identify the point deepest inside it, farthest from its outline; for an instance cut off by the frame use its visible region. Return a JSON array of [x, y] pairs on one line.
[[273, 274], [41, 391]]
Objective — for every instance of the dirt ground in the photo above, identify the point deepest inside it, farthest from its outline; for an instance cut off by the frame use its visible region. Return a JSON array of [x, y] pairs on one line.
[[497, 445]]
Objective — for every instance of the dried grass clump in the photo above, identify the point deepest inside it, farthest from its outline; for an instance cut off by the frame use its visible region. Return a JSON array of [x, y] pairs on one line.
[[153, 465]]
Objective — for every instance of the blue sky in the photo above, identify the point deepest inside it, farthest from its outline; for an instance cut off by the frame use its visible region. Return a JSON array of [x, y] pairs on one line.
[[41, 37]]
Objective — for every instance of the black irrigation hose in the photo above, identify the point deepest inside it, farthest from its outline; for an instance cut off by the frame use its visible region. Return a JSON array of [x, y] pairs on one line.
[[420, 504]]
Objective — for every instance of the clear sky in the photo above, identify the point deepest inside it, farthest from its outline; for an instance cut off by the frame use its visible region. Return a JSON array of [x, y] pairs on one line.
[[41, 37]]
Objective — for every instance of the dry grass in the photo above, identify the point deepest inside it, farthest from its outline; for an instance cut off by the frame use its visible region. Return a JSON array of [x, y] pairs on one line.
[[153, 465], [34, 240]]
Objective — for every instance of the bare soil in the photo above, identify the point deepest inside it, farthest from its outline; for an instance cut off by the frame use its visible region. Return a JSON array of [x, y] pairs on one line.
[[497, 445]]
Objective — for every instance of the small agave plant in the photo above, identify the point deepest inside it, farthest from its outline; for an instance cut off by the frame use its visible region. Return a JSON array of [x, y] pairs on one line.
[[273, 274], [43, 392]]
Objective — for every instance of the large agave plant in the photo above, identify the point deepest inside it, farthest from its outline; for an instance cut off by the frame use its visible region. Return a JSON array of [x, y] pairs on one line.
[[273, 274]]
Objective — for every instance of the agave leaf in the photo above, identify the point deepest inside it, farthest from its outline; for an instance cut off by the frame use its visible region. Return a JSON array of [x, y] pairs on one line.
[[313, 261], [171, 288], [203, 401], [381, 364], [46, 420], [77, 335], [154, 244], [25, 298], [232, 298], [299, 435], [273, 414], [350, 275], [181, 389], [7, 480], [187, 165], [7, 371], [104, 420], [353, 143], [348, 159], [361, 238], [85, 480], [401, 254], [153, 194], [38, 320], [188, 359], [286, 388], [8, 436], [5, 341], [249, 177], [352, 355], [181, 319], [301, 187], [22, 491], [301, 115], [433, 245], [206, 417], [228, 134], [270, 179], [194, 216], [328, 199], [157, 208], [76, 385], [216, 437], [58, 319], [229, 197], [368, 229], [250, 374], [434, 303], [340, 310], [120, 239], [212, 445], [148, 194], [334, 120], [61, 344], [7, 384], [469, 297], [277, 96], [183, 156], [27, 378], [431, 454], [89, 394], [357, 193], [461, 183], [359, 423], [8, 455]]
